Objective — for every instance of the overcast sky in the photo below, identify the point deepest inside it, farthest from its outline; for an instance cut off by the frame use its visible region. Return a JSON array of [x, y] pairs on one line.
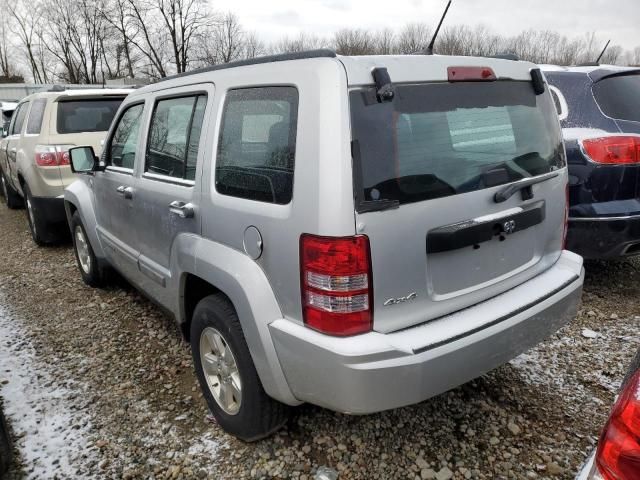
[[273, 19]]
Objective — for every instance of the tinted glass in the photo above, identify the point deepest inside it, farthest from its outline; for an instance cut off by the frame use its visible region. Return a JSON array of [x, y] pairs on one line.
[[441, 139], [34, 123], [122, 146], [75, 116], [619, 97], [257, 144], [174, 136], [20, 116]]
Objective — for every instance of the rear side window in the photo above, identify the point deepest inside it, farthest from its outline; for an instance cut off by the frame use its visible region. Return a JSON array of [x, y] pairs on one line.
[[174, 136], [619, 96], [19, 118], [441, 139], [36, 114], [257, 144], [123, 144], [91, 115]]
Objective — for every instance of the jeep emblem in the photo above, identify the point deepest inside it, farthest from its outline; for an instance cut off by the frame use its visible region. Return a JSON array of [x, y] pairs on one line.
[[509, 226], [396, 301]]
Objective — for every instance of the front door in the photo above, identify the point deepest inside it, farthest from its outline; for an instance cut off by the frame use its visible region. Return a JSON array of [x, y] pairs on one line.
[[167, 193], [115, 193]]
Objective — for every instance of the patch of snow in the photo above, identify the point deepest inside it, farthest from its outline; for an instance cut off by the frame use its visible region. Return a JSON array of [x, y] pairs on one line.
[[50, 427]]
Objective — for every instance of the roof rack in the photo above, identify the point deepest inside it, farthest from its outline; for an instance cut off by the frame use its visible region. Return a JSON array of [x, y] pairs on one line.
[[507, 56], [321, 53], [588, 64]]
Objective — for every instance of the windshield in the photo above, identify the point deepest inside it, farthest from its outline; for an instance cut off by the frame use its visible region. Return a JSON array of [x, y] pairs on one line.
[[619, 96], [440, 139], [91, 115]]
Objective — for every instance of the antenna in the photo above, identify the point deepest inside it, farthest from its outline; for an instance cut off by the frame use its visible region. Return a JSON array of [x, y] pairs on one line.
[[435, 35], [603, 50]]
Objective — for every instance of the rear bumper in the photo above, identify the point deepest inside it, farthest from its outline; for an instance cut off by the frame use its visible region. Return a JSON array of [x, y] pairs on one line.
[[603, 238], [375, 371], [51, 208]]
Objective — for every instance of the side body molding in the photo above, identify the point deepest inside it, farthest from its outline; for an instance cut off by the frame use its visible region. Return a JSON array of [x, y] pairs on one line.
[[80, 195], [246, 285]]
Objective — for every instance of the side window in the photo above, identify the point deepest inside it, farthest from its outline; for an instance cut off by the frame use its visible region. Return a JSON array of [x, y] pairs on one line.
[[34, 123], [123, 143], [19, 118], [174, 136], [257, 144]]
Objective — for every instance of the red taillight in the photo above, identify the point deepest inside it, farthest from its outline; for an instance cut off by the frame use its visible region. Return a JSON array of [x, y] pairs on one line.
[[618, 456], [336, 284], [52, 155], [613, 150], [471, 74]]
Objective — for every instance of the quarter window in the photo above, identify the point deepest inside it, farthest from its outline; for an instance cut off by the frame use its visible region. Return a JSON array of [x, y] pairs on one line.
[[122, 147], [174, 136], [34, 123], [19, 116], [257, 144]]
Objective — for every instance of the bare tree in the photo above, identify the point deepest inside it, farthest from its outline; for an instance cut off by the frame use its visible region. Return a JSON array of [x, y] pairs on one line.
[[300, 43], [7, 67], [354, 42], [26, 19], [413, 38]]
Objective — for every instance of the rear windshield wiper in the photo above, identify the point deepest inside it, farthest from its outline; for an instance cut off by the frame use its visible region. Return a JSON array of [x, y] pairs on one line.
[[506, 193]]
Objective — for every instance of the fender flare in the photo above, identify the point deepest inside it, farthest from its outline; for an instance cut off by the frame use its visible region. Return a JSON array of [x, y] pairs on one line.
[[79, 195], [245, 284]]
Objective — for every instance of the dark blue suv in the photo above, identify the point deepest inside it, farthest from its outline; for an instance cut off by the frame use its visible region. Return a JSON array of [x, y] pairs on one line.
[[599, 108]]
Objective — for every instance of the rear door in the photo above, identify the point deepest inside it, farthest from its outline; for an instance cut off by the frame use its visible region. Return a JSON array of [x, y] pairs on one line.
[[431, 168], [13, 142], [167, 194]]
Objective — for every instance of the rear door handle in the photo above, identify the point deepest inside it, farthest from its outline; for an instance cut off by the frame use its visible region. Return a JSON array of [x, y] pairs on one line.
[[181, 209], [126, 192]]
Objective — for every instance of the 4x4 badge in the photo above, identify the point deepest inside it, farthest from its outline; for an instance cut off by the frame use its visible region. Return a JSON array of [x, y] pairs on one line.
[[509, 226], [396, 301]]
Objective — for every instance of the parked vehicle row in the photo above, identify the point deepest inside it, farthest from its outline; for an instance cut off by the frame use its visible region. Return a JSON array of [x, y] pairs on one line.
[[360, 233], [34, 160]]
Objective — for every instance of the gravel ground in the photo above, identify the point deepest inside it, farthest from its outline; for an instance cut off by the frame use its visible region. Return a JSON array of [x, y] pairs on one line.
[[99, 384]]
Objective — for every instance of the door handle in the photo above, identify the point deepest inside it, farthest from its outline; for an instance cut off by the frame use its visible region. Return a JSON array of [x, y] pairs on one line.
[[181, 209], [126, 192]]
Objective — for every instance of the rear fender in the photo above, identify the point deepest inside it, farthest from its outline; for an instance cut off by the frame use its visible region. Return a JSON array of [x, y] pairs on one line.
[[243, 281]]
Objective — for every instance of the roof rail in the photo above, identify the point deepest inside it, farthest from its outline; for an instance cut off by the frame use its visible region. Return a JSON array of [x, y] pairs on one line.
[[588, 64], [321, 53], [507, 56]]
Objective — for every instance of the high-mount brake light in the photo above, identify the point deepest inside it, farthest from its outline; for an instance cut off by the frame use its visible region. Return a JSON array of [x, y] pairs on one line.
[[471, 74], [618, 456], [613, 150], [336, 284]]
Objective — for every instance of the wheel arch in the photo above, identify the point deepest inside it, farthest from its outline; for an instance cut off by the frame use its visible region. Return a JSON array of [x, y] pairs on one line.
[[78, 198], [217, 269]]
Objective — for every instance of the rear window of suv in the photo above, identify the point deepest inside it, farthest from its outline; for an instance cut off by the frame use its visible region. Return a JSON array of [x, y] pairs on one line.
[[440, 139], [91, 115], [619, 96]]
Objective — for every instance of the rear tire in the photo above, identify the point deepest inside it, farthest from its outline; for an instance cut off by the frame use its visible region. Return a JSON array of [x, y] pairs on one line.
[[249, 414], [11, 197], [90, 270], [41, 230]]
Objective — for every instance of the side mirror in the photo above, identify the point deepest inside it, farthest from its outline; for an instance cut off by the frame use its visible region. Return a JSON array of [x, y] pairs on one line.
[[83, 160]]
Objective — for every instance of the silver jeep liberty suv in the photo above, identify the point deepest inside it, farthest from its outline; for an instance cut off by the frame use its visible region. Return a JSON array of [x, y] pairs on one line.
[[360, 233]]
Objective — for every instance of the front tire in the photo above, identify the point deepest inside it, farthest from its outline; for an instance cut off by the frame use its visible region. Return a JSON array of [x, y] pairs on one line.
[[227, 375], [92, 273], [11, 197]]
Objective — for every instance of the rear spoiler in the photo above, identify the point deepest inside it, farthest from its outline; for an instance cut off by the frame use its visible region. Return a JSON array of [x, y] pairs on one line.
[[603, 73]]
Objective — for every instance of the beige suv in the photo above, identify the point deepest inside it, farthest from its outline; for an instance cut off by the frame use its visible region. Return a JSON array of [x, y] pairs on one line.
[[34, 163]]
